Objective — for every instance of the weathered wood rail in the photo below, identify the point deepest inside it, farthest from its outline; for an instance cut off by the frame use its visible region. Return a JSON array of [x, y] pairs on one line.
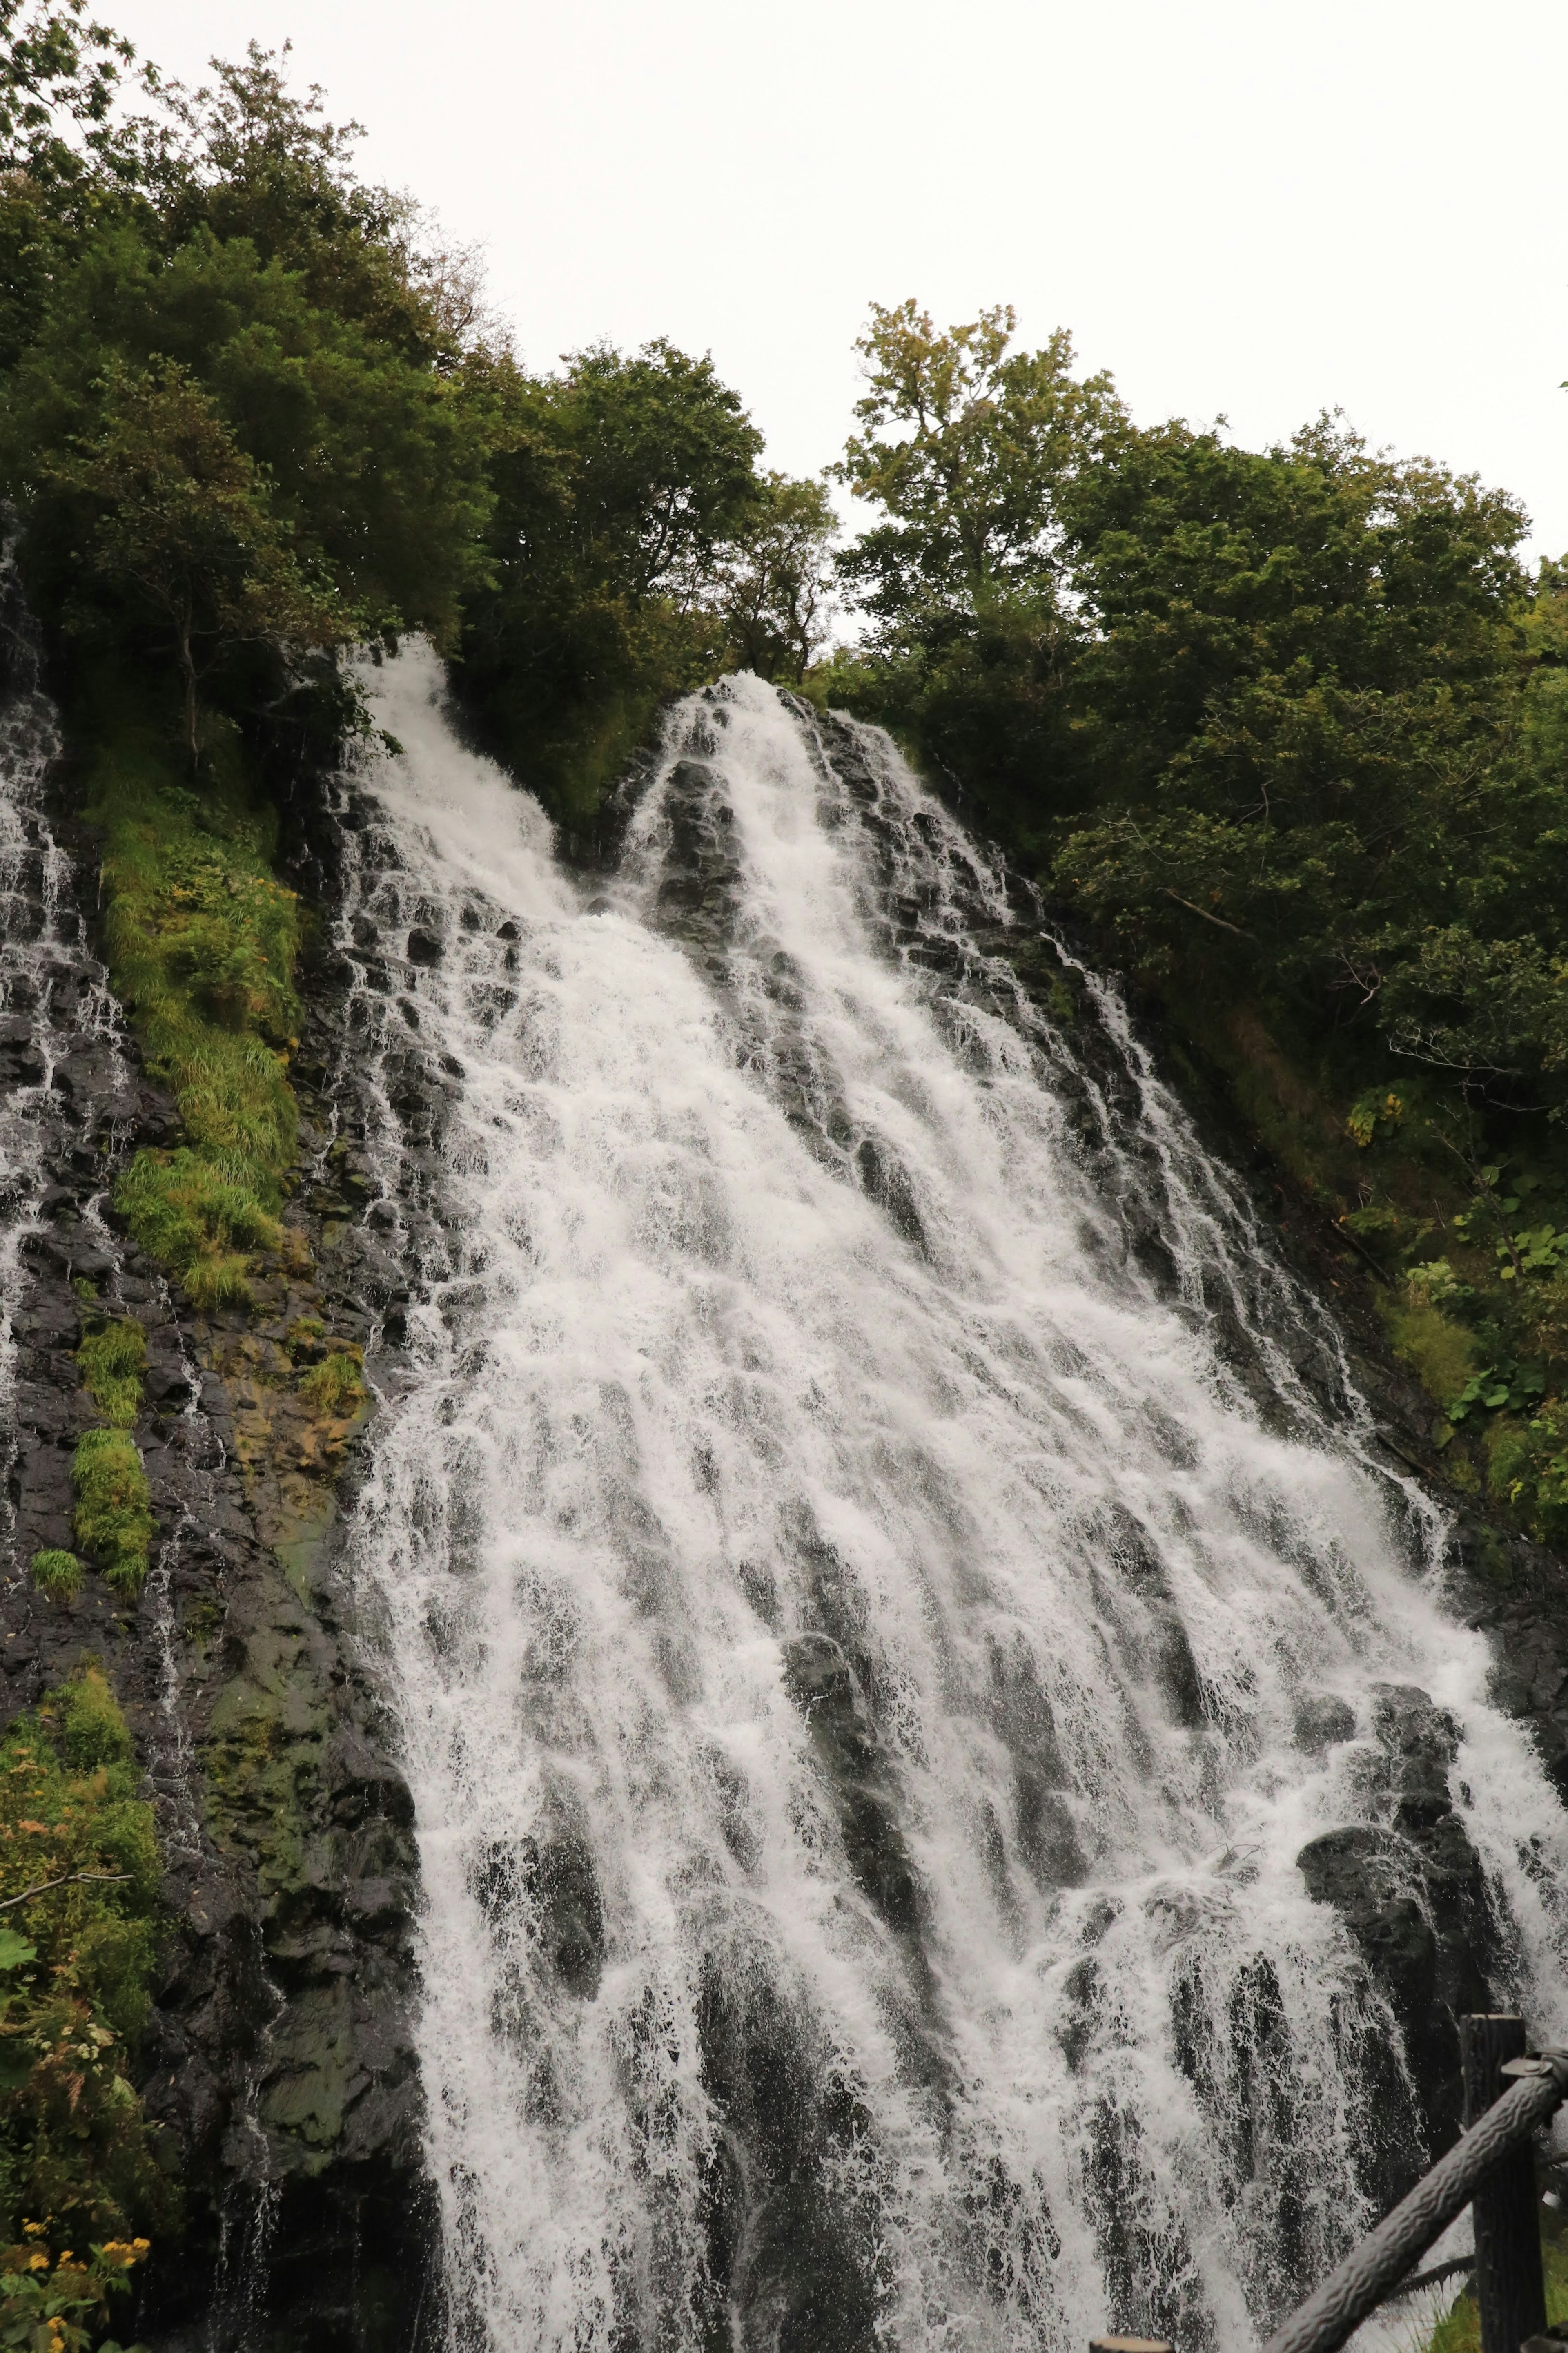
[[1508, 2096]]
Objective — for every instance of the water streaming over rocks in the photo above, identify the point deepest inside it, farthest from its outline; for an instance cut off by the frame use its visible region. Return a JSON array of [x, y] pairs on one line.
[[275, 2067], [881, 1576]]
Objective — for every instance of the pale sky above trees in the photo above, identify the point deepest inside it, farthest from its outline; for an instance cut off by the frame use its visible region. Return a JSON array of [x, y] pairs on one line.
[[1259, 208]]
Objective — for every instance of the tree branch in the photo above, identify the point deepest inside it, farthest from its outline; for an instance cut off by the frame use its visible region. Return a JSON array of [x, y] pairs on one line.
[[1218, 921], [44, 1886]]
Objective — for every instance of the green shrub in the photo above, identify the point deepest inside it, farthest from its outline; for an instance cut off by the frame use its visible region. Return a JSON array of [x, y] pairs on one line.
[[198, 1220], [114, 1520], [76, 1955], [57, 1574], [113, 1357], [63, 2309], [336, 1386]]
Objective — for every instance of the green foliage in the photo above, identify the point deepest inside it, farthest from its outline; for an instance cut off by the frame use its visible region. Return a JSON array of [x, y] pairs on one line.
[[620, 485], [1287, 730], [57, 1574], [113, 1516], [971, 448], [296, 480], [240, 391], [201, 941], [336, 1386], [114, 1357], [243, 421], [1459, 2330], [79, 1877], [967, 447], [59, 72], [172, 512], [773, 588], [63, 2309]]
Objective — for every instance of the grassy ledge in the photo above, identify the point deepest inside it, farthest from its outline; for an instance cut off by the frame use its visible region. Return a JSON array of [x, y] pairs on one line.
[[201, 940], [114, 1518]]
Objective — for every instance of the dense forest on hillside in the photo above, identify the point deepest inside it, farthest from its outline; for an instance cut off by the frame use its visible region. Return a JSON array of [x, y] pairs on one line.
[[1283, 732]]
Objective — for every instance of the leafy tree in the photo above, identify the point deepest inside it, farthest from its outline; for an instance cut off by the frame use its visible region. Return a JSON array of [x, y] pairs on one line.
[[621, 486], [65, 158], [966, 447], [970, 449], [1295, 705], [182, 520], [245, 158], [59, 71], [774, 590]]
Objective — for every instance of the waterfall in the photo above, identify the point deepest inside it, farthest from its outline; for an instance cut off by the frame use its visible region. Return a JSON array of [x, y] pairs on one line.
[[60, 1064], [880, 1574]]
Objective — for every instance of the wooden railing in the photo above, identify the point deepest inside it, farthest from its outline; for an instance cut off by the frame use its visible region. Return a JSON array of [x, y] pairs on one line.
[[1508, 2096]]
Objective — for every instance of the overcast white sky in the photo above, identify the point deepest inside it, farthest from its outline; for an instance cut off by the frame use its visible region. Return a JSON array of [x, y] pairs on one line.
[[1259, 208]]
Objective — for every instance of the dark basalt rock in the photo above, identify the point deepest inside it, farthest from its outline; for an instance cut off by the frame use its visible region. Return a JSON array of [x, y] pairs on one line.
[[850, 1749], [1414, 1897], [278, 2065]]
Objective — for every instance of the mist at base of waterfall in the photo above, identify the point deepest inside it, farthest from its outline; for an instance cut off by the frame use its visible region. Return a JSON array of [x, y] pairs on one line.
[[869, 1636]]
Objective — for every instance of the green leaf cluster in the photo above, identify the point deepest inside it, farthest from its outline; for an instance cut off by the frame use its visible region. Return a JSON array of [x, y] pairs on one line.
[[635, 550], [79, 1885], [57, 1573]]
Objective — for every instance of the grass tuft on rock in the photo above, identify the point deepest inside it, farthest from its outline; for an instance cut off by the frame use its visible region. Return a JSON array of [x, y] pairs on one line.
[[57, 1574], [114, 1357], [114, 1518], [336, 1386]]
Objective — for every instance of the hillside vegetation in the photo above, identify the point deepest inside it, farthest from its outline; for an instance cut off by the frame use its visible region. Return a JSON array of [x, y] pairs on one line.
[[1286, 730], [1287, 733]]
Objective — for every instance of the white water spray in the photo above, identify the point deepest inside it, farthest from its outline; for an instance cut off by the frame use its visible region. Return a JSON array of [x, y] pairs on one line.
[[850, 1623]]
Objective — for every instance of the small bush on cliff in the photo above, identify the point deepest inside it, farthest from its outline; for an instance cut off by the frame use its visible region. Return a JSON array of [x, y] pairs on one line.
[[78, 1881], [63, 2309], [114, 1518], [113, 1358], [336, 1386], [57, 1574], [202, 941]]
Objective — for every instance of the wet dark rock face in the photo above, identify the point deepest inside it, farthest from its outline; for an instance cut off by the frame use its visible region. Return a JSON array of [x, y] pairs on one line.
[[278, 2061], [1415, 1899]]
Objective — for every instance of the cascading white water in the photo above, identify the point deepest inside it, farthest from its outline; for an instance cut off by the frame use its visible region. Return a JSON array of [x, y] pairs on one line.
[[53, 992], [850, 1625]]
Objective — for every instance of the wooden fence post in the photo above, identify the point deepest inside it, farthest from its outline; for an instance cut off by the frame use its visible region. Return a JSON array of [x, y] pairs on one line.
[[1510, 2289]]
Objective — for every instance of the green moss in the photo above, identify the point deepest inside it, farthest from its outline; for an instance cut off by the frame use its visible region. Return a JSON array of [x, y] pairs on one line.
[[305, 1339], [113, 1357], [57, 1574], [202, 941], [113, 1519], [336, 1386]]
